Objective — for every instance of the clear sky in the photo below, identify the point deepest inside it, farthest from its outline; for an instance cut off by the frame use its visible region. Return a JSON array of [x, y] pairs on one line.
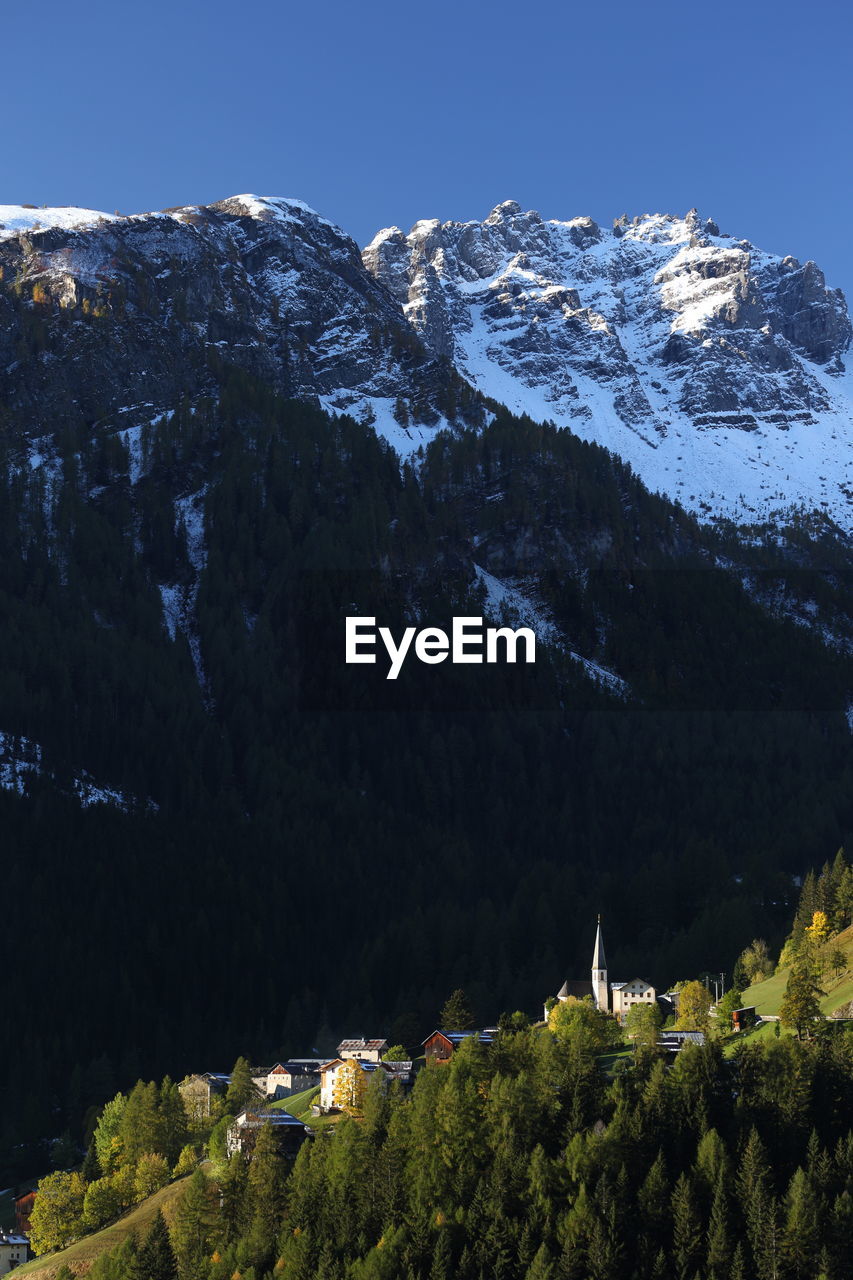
[[380, 113]]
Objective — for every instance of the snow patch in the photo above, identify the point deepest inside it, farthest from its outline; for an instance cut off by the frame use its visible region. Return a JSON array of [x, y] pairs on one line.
[[15, 218], [22, 759], [509, 605]]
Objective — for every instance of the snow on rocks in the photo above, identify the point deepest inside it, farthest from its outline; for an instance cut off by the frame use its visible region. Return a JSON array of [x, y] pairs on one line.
[[712, 367]]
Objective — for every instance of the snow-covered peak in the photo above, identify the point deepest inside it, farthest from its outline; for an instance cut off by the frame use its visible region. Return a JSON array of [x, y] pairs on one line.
[[386, 233], [713, 367], [15, 218], [279, 208], [506, 209]]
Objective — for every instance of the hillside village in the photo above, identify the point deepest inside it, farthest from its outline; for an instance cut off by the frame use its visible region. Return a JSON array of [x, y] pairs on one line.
[[298, 1099], [342, 1080]]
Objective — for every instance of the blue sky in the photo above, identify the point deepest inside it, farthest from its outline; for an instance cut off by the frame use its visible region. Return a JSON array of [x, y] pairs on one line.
[[383, 113]]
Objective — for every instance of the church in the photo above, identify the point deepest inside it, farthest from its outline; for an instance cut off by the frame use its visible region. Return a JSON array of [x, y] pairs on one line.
[[614, 997]]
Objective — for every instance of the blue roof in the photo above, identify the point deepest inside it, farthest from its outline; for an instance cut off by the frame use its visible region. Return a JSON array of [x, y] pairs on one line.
[[456, 1037]]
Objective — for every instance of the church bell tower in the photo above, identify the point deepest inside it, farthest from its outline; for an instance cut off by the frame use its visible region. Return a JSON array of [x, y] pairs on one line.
[[600, 990]]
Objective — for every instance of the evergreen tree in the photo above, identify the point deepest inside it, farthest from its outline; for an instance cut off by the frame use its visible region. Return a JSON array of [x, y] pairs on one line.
[[801, 1225], [456, 1014], [686, 1229], [155, 1259], [241, 1092], [719, 1253], [192, 1228], [800, 1006], [264, 1199]]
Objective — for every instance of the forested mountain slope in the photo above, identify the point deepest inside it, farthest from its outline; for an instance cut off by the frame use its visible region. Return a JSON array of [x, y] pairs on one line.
[[316, 849], [286, 848]]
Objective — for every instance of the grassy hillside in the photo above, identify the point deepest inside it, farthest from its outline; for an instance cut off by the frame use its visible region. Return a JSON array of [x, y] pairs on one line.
[[767, 995], [299, 1104], [80, 1256]]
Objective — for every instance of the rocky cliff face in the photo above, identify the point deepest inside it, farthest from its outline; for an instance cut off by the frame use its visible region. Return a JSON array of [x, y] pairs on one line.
[[716, 369], [105, 314]]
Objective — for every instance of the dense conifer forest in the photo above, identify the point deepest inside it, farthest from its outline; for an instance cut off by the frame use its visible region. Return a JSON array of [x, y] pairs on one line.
[[520, 1161], [310, 850]]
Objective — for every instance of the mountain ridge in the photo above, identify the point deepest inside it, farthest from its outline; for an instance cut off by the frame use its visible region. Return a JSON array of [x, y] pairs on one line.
[[662, 339], [716, 370]]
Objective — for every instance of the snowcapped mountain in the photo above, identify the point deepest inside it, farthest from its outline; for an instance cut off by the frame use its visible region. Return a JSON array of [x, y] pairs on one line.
[[266, 285], [714, 368]]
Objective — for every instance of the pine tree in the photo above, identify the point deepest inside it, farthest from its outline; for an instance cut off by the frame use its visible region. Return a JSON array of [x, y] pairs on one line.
[[192, 1226], [686, 1229], [542, 1266], [719, 1242], [173, 1120], [91, 1168], [241, 1091], [264, 1199], [457, 1015], [800, 1006], [141, 1129], [654, 1203], [441, 1267], [801, 1225], [738, 1267], [155, 1259]]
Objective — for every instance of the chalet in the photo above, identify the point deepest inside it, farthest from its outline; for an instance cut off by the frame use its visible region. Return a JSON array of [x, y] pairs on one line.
[[292, 1076], [23, 1208], [200, 1091], [364, 1050], [441, 1045], [743, 1018], [243, 1133], [14, 1250], [614, 997]]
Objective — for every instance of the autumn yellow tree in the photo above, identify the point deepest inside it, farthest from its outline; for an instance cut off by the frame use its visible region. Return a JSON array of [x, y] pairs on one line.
[[350, 1087], [57, 1216], [694, 1003], [818, 931]]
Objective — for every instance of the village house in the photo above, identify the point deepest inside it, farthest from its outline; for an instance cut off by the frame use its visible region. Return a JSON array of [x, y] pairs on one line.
[[675, 1041], [402, 1072], [744, 1018], [199, 1092], [292, 1076], [243, 1133], [329, 1076], [364, 1050], [23, 1208], [624, 995], [440, 1046], [14, 1250], [616, 998]]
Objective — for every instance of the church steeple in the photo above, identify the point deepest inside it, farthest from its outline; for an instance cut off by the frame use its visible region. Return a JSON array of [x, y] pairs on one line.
[[599, 960], [600, 989]]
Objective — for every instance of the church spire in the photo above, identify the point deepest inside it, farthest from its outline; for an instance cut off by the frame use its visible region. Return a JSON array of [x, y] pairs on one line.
[[600, 989], [599, 960]]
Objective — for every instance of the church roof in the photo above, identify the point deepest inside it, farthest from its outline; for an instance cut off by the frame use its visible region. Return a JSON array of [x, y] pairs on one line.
[[576, 989], [599, 960]]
